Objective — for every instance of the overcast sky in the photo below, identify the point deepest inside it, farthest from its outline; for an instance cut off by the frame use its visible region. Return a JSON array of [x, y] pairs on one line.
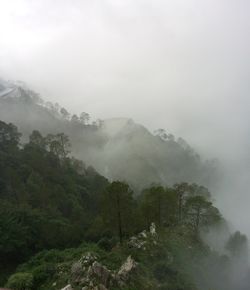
[[182, 65]]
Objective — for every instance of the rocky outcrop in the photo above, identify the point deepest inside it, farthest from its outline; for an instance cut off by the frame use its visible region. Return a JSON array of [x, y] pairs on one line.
[[125, 271], [145, 239], [90, 274]]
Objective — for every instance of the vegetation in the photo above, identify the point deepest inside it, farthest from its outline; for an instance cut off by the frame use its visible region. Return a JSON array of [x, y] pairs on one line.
[[159, 158], [54, 207], [47, 199], [21, 281]]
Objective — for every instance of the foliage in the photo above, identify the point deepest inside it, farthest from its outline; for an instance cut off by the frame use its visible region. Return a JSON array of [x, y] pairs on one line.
[[237, 245], [52, 201], [117, 208], [47, 200], [20, 281]]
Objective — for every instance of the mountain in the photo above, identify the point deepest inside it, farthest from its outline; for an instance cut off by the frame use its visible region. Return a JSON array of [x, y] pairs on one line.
[[64, 213], [108, 145]]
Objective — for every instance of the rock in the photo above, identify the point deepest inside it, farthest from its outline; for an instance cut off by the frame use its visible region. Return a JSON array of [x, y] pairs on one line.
[[137, 243], [125, 270], [76, 268], [143, 234], [88, 259], [145, 239], [153, 229], [92, 275], [101, 272], [77, 271], [68, 287]]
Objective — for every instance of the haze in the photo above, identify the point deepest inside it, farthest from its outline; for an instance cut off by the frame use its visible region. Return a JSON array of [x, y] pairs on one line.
[[179, 65]]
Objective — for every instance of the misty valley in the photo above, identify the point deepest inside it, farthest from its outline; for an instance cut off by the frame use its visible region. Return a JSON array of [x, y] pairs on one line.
[[108, 205]]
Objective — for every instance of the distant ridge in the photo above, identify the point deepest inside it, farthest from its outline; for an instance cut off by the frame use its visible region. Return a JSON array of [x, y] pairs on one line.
[[118, 148]]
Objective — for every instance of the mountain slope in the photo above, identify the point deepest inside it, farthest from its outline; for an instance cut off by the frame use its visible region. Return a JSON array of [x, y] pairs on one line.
[[110, 144]]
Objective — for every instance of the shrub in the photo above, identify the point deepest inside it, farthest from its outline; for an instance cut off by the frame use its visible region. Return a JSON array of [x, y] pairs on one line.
[[106, 243], [20, 281], [42, 273]]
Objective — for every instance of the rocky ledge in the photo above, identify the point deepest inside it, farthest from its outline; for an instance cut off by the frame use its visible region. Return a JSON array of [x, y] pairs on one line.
[[89, 274]]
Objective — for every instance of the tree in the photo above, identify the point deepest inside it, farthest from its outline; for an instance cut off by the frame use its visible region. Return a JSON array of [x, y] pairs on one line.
[[195, 189], [152, 204], [237, 245], [37, 139], [117, 208], [65, 113], [185, 190], [84, 118], [9, 136], [200, 212], [58, 144], [75, 119], [181, 189], [158, 205]]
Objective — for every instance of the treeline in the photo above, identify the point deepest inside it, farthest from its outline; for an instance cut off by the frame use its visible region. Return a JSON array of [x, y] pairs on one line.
[[48, 199]]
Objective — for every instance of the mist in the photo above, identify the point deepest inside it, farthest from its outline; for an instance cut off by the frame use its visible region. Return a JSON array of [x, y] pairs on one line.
[[179, 65]]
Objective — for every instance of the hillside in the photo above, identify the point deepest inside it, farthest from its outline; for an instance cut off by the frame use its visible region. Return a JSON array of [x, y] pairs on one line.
[[61, 222], [109, 144]]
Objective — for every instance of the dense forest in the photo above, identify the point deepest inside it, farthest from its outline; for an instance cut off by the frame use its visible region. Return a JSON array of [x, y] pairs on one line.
[[51, 201]]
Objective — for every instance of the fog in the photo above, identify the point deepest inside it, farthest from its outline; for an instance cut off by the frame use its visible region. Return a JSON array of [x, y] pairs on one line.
[[179, 65]]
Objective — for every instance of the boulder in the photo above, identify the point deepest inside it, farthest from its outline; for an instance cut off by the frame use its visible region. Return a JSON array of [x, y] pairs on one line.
[[126, 269], [144, 240], [101, 272]]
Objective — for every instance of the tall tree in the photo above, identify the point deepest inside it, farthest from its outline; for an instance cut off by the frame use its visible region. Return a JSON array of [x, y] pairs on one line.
[[65, 113], [58, 144], [181, 189], [237, 245], [9, 136], [37, 139], [200, 212], [152, 204], [158, 205], [84, 118], [117, 208]]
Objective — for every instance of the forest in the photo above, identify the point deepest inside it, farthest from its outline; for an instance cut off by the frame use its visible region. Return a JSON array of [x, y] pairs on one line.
[[51, 202]]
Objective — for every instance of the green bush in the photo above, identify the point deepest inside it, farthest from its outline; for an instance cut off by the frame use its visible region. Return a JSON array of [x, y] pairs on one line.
[[42, 273], [106, 243], [20, 281]]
